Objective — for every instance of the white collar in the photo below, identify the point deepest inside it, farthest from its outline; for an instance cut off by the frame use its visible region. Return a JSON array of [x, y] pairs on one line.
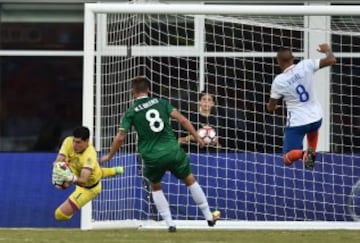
[[288, 68], [142, 97]]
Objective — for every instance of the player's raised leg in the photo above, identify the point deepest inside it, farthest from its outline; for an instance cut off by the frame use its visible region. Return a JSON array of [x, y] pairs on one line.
[[76, 201], [291, 156], [312, 136], [310, 153], [312, 139], [65, 211], [110, 172], [293, 149]]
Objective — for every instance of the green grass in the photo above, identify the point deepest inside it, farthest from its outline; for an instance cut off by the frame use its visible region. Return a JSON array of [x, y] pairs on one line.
[[182, 236]]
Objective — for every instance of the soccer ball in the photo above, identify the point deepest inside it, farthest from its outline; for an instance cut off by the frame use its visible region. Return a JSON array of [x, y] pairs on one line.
[[207, 134], [61, 168], [62, 185]]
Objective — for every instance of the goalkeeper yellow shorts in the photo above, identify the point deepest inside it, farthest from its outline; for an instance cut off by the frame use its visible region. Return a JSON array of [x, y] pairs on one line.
[[82, 195]]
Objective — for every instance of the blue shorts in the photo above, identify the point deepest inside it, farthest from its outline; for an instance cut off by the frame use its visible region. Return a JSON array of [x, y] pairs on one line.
[[294, 136]]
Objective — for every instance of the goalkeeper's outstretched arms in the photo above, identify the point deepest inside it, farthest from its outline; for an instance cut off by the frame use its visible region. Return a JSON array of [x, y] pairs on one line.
[[81, 180], [65, 150], [59, 157], [115, 146]]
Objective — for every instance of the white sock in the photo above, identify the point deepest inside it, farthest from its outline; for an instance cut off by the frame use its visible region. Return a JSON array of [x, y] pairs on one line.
[[162, 206], [200, 199]]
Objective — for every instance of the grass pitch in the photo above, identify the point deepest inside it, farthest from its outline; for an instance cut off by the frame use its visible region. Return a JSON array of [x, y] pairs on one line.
[[182, 236]]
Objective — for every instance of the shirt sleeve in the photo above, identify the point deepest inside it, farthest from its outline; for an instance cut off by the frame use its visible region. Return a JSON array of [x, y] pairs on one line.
[[275, 90], [316, 64], [312, 64], [168, 107], [126, 122], [64, 150], [90, 159]]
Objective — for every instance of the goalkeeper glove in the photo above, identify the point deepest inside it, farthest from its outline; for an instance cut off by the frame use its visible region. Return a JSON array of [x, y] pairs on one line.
[[59, 174], [70, 178], [56, 178]]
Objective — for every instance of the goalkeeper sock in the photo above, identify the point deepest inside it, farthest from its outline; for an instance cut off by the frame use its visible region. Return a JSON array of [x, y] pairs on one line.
[[200, 199], [61, 216], [110, 172], [162, 206]]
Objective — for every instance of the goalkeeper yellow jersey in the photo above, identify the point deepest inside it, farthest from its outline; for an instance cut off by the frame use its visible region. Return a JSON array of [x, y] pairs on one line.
[[78, 161]]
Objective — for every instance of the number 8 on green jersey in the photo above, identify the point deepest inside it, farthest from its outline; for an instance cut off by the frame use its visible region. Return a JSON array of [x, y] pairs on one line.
[[157, 143]]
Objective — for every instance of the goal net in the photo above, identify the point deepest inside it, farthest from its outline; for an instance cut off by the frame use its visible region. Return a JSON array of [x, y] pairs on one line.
[[186, 50]]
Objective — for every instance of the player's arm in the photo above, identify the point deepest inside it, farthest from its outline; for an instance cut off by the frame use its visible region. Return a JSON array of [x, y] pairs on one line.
[[329, 59], [81, 180], [60, 157], [186, 139], [276, 94], [115, 146], [63, 151], [271, 106], [187, 125], [84, 176]]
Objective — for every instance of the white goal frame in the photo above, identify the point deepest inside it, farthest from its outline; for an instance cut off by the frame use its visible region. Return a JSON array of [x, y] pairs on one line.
[[91, 9]]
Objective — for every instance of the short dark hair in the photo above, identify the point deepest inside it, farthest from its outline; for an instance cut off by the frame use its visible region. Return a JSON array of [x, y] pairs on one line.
[[81, 132], [285, 54], [203, 93], [140, 84]]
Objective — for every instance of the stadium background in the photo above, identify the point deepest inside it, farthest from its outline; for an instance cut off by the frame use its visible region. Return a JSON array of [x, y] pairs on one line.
[[41, 46]]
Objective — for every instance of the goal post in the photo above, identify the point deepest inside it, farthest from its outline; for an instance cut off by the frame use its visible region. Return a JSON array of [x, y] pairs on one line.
[[228, 51]]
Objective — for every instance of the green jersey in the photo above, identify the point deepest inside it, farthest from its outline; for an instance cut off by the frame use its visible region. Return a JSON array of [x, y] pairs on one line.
[[151, 120]]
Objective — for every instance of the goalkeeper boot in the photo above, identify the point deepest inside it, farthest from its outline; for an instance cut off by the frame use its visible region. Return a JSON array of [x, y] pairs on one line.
[[172, 229], [309, 158], [119, 170], [216, 216]]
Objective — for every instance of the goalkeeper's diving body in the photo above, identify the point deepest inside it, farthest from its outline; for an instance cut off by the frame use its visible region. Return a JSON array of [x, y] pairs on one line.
[[295, 85], [159, 148], [81, 157]]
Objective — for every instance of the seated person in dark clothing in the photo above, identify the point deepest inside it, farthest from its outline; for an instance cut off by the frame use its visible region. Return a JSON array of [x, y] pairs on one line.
[[228, 123], [232, 129], [205, 117]]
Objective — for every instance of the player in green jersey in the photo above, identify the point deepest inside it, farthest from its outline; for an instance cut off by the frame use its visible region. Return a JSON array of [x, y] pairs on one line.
[[159, 148]]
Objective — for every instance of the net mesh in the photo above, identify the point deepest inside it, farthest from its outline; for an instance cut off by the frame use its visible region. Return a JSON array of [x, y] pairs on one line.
[[244, 178]]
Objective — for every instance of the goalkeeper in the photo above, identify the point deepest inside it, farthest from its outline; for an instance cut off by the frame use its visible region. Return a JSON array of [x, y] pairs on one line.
[[81, 156]]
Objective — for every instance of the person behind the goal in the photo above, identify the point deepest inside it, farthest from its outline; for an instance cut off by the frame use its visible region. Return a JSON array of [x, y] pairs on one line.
[[159, 148], [295, 85], [205, 116]]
